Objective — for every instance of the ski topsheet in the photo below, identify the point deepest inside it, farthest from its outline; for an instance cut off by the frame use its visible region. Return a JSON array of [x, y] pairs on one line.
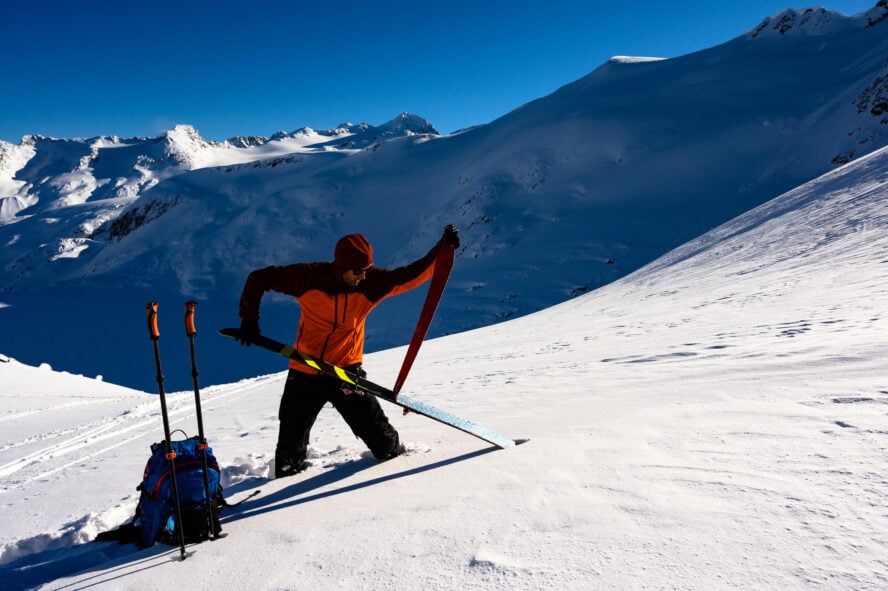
[[364, 385]]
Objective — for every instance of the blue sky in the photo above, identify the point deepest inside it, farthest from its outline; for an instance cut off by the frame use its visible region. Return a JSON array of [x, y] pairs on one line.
[[75, 68]]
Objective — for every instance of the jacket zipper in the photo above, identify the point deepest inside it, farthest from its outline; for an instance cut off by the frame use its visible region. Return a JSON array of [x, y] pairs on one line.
[[335, 324]]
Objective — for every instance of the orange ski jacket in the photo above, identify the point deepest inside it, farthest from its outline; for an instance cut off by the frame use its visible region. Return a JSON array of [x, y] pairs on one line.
[[333, 314]]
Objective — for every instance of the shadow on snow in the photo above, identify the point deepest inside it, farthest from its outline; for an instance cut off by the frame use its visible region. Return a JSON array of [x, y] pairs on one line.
[[114, 561]]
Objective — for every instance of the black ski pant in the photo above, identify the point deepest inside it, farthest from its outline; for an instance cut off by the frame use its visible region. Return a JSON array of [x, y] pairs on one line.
[[304, 397]]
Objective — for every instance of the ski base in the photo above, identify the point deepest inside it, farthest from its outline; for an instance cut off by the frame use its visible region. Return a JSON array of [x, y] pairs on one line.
[[364, 385]]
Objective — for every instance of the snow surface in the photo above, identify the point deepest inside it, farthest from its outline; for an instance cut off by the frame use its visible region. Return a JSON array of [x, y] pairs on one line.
[[716, 420]]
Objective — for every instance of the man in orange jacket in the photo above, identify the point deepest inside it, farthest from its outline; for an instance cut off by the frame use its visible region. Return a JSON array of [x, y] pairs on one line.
[[334, 299]]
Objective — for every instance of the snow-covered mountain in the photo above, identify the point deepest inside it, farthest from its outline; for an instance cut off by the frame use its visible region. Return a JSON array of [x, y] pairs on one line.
[[554, 199], [715, 420]]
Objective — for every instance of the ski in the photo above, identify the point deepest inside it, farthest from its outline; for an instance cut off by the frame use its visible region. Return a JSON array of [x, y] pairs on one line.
[[365, 385]]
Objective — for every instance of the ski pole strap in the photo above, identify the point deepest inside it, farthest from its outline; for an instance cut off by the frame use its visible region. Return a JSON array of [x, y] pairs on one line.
[[189, 319], [153, 332]]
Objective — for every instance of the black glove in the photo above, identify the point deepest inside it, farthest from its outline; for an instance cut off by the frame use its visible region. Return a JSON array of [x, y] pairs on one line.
[[357, 369], [348, 389], [451, 236], [249, 330]]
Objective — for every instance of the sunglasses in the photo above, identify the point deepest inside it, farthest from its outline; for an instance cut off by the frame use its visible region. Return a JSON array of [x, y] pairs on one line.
[[361, 271]]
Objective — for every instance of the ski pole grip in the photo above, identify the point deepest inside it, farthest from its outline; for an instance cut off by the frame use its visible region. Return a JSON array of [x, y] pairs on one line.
[[153, 332], [189, 319]]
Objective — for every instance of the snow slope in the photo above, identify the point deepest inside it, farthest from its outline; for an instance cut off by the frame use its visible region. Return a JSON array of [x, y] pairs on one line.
[[716, 420], [554, 199]]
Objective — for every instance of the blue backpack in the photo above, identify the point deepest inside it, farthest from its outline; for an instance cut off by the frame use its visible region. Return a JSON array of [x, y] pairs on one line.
[[156, 514]]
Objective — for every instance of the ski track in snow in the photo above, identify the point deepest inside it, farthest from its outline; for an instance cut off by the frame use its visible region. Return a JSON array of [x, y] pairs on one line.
[[58, 451], [92, 439]]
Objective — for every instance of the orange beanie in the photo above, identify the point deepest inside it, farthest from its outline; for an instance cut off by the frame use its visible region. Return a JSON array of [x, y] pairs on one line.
[[353, 252]]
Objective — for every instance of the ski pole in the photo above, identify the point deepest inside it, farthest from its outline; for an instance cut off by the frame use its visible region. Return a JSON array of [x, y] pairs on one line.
[[154, 333], [190, 331]]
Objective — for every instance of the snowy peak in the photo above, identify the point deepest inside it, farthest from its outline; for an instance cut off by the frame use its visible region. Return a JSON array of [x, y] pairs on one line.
[[816, 22], [407, 124], [13, 196], [877, 14], [246, 141], [811, 21], [185, 147], [346, 136]]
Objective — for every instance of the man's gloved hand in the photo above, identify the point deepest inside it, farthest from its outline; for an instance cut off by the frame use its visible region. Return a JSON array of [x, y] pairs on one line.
[[249, 330], [451, 236], [358, 370]]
